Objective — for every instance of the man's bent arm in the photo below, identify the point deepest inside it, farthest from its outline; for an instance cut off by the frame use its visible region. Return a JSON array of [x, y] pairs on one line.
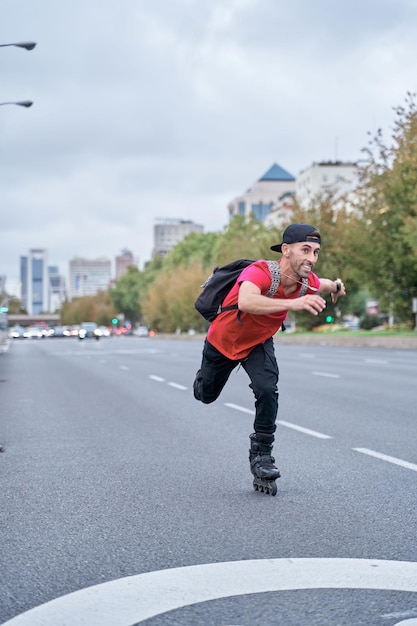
[[250, 300]]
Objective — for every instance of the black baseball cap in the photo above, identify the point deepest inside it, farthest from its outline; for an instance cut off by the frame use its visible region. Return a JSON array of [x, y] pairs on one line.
[[296, 233]]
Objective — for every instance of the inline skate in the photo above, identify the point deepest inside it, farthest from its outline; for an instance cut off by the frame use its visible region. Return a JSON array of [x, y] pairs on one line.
[[262, 464]]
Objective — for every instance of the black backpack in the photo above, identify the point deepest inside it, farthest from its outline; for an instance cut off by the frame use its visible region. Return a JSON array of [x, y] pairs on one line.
[[220, 282]]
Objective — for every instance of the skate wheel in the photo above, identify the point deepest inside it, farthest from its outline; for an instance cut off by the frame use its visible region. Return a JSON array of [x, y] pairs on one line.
[[273, 489]]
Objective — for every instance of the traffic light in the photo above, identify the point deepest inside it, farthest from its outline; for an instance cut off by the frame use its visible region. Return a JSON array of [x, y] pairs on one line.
[[114, 320], [329, 319]]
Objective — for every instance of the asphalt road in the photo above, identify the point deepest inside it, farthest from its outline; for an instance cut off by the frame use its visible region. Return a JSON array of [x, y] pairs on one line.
[[125, 501]]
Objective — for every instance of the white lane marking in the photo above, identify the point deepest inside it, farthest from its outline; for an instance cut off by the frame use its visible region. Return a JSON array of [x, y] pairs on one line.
[[237, 407], [177, 386], [134, 599], [306, 431], [123, 367], [377, 361], [326, 374], [389, 459], [157, 378]]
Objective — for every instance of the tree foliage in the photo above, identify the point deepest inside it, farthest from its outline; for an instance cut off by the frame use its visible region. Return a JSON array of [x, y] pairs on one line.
[[389, 209], [98, 308], [128, 294]]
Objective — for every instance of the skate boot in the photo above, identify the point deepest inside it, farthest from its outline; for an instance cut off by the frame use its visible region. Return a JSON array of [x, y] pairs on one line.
[[196, 386], [262, 464]]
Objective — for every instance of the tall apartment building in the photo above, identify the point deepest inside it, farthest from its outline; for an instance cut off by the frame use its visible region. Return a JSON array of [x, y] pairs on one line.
[[88, 276], [168, 232], [123, 261], [266, 193], [42, 287], [338, 177], [57, 289], [35, 281]]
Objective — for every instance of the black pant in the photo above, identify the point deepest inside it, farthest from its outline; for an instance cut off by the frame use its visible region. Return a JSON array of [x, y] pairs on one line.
[[261, 367]]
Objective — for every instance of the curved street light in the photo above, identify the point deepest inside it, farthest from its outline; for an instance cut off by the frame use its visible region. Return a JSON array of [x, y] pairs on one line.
[[21, 103], [27, 45]]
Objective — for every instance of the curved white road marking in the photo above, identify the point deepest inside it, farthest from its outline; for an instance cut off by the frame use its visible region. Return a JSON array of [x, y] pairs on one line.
[[130, 600]]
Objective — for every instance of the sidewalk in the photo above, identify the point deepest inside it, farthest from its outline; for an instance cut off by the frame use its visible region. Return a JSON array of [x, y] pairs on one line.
[[359, 339]]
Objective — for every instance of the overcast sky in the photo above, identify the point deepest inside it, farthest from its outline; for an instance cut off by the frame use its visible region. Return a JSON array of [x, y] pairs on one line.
[[147, 109]]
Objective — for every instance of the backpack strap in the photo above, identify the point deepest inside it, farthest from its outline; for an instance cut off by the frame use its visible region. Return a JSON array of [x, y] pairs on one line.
[[275, 269]]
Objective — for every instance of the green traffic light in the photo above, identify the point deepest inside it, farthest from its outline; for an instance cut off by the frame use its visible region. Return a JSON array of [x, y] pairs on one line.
[[329, 319], [114, 320]]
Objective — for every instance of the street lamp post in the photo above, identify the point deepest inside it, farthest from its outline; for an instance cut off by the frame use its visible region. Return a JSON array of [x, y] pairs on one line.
[[21, 103], [27, 45]]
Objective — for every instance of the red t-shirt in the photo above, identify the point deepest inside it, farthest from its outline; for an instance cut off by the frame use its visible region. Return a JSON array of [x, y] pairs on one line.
[[236, 340]]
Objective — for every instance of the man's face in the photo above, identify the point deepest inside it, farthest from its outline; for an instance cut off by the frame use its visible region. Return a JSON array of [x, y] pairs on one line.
[[302, 257]]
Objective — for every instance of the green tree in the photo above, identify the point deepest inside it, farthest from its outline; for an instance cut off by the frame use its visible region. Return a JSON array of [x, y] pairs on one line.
[[389, 211], [98, 308], [128, 294]]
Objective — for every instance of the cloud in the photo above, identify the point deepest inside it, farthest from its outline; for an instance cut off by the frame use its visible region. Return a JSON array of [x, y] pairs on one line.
[[171, 108]]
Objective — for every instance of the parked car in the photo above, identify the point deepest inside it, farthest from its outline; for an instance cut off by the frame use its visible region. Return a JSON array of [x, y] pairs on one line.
[[89, 329]]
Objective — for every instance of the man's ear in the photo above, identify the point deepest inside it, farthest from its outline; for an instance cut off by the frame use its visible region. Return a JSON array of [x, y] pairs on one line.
[[285, 249]]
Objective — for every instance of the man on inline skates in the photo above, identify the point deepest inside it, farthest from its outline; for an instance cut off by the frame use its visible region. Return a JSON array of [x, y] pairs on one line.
[[246, 336]]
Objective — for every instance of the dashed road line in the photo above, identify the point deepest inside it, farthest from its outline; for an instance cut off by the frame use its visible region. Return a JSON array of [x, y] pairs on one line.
[[326, 374], [387, 458], [302, 429], [306, 431], [237, 407], [177, 386], [376, 361]]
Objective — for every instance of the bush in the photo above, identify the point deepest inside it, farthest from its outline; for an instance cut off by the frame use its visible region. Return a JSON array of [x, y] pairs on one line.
[[370, 321]]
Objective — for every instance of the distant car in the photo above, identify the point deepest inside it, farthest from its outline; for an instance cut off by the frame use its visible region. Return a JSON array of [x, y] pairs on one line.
[[59, 331], [89, 329], [141, 331], [16, 332], [105, 332], [33, 332]]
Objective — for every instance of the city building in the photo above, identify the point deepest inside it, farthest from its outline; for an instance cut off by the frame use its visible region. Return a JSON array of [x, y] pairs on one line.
[[57, 289], [281, 212], [41, 288], [35, 281], [14, 288], [2, 284], [335, 177], [271, 190], [168, 232], [123, 261], [88, 276]]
